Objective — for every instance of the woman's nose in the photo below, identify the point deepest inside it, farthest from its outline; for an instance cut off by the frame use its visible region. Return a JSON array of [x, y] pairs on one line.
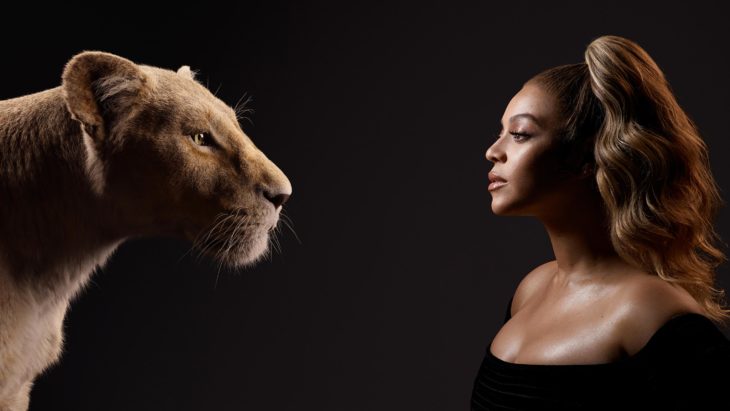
[[491, 153]]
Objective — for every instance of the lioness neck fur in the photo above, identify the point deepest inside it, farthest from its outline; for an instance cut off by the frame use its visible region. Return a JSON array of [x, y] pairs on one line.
[[119, 150]]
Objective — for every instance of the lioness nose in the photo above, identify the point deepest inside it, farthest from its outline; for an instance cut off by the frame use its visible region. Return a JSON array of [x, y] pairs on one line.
[[276, 199]]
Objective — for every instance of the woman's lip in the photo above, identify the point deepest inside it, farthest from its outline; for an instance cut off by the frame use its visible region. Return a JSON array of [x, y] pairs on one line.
[[495, 185], [493, 177]]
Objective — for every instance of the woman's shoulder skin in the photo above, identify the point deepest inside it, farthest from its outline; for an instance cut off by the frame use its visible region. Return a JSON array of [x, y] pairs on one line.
[[639, 305], [534, 281], [645, 305]]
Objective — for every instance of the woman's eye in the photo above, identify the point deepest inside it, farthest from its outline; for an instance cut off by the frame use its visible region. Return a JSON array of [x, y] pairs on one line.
[[520, 136], [202, 139]]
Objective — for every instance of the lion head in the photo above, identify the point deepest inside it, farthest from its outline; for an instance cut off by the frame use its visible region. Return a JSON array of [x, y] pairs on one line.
[[166, 157]]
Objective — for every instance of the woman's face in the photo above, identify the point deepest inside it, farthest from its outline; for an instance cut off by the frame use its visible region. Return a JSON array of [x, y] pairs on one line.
[[525, 156]]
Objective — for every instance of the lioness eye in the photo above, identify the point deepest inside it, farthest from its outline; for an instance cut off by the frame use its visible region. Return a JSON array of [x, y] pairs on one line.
[[201, 139]]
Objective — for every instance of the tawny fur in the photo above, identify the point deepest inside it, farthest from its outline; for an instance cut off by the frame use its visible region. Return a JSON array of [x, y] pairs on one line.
[[105, 157]]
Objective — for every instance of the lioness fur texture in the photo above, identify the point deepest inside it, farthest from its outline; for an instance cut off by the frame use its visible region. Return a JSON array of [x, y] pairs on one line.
[[119, 150]]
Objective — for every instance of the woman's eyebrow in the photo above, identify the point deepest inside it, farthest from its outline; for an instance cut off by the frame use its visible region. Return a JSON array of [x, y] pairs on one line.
[[526, 115]]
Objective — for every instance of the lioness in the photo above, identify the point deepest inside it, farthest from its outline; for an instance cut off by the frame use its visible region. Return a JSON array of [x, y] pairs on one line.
[[119, 150]]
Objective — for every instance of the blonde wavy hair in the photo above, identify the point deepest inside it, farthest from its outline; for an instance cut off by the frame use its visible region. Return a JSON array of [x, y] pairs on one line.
[[651, 166]]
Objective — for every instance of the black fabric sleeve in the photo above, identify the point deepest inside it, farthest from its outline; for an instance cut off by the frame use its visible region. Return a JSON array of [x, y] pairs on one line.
[[689, 365], [708, 374]]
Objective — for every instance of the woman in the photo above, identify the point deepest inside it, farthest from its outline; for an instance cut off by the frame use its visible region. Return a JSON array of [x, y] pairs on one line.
[[625, 316]]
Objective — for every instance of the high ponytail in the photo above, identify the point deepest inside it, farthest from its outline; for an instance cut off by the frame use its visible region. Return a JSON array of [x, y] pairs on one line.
[[651, 165]]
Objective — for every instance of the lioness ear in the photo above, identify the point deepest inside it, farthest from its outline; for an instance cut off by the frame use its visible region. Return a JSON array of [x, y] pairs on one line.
[[99, 86], [186, 72]]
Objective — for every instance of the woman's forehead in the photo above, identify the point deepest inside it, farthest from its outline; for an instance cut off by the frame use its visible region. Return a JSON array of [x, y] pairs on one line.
[[532, 104]]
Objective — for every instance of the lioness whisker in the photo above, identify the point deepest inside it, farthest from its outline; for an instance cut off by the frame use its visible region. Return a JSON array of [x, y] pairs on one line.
[[199, 235], [286, 220], [275, 242], [241, 109], [215, 239], [231, 241]]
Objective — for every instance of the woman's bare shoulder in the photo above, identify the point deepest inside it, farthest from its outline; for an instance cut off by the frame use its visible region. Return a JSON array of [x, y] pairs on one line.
[[531, 283], [646, 305]]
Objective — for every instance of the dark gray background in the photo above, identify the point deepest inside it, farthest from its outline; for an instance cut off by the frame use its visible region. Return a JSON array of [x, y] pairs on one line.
[[380, 114]]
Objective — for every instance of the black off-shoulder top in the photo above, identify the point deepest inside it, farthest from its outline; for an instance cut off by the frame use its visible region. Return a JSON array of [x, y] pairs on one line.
[[684, 366]]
